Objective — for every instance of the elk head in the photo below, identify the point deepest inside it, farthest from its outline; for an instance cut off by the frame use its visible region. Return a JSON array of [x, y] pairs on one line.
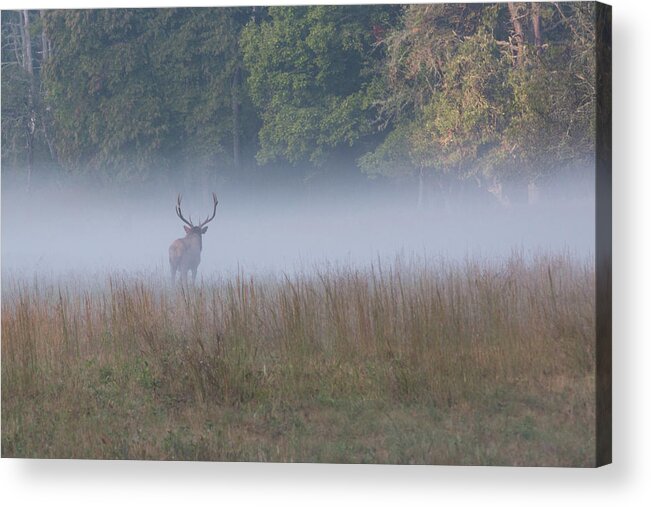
[[185, 253]]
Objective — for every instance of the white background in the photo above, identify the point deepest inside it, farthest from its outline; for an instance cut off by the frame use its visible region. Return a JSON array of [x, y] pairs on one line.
[[626, 482]]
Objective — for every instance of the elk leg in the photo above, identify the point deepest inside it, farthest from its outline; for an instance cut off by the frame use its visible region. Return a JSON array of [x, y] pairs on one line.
[[173, 273], [194, 275]]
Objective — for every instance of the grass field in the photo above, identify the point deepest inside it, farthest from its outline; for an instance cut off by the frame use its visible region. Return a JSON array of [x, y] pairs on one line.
[[473, 362]]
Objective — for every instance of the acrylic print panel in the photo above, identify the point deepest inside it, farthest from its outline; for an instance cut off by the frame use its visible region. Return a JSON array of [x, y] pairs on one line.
[[392, 231]]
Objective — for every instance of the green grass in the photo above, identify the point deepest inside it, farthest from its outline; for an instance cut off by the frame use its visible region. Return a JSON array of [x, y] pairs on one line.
[[442, 363]]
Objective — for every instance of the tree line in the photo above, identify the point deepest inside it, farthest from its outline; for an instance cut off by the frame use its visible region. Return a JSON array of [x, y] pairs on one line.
[[446, 94]]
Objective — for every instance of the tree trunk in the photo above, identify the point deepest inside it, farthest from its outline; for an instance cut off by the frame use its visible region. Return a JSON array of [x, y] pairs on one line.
[[45, 116], [27, 41], [45, 43], [17, 38], [30, 161], [535, 21], [518, 36], [533, 193], [235, 104], [31, 120], [421, 188]]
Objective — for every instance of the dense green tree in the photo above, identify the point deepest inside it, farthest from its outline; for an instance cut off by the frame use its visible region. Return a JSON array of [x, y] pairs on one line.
[[108, 114], [310, 77], [197, 51], [135, 91], [482, 93]]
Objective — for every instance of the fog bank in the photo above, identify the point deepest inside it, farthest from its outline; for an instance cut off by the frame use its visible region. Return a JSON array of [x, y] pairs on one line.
[[56, 230]]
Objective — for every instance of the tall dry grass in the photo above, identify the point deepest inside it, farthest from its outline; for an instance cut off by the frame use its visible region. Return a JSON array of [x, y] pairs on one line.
[[438, 334]]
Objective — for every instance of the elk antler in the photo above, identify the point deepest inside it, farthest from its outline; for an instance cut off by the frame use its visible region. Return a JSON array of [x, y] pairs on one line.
[[178, 211], [214, 210]]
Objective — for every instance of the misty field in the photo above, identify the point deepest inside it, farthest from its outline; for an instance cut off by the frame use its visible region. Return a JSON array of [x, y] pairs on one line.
[[465, 362]]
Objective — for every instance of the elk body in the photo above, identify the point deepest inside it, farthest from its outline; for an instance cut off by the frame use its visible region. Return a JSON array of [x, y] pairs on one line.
[[185, 253]]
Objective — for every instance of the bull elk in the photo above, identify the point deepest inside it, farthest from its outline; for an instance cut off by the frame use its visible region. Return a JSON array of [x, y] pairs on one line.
[[185, 253]]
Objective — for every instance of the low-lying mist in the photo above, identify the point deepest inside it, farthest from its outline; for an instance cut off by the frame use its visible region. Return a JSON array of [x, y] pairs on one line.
[[51, 231]]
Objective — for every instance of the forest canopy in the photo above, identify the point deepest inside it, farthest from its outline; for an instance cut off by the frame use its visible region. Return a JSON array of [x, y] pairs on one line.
[[484, 94]]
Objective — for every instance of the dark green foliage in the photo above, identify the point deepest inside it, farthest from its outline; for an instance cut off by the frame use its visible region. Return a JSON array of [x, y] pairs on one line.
[[481, 92], [102, 86], [310, 73], [141, 90]]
